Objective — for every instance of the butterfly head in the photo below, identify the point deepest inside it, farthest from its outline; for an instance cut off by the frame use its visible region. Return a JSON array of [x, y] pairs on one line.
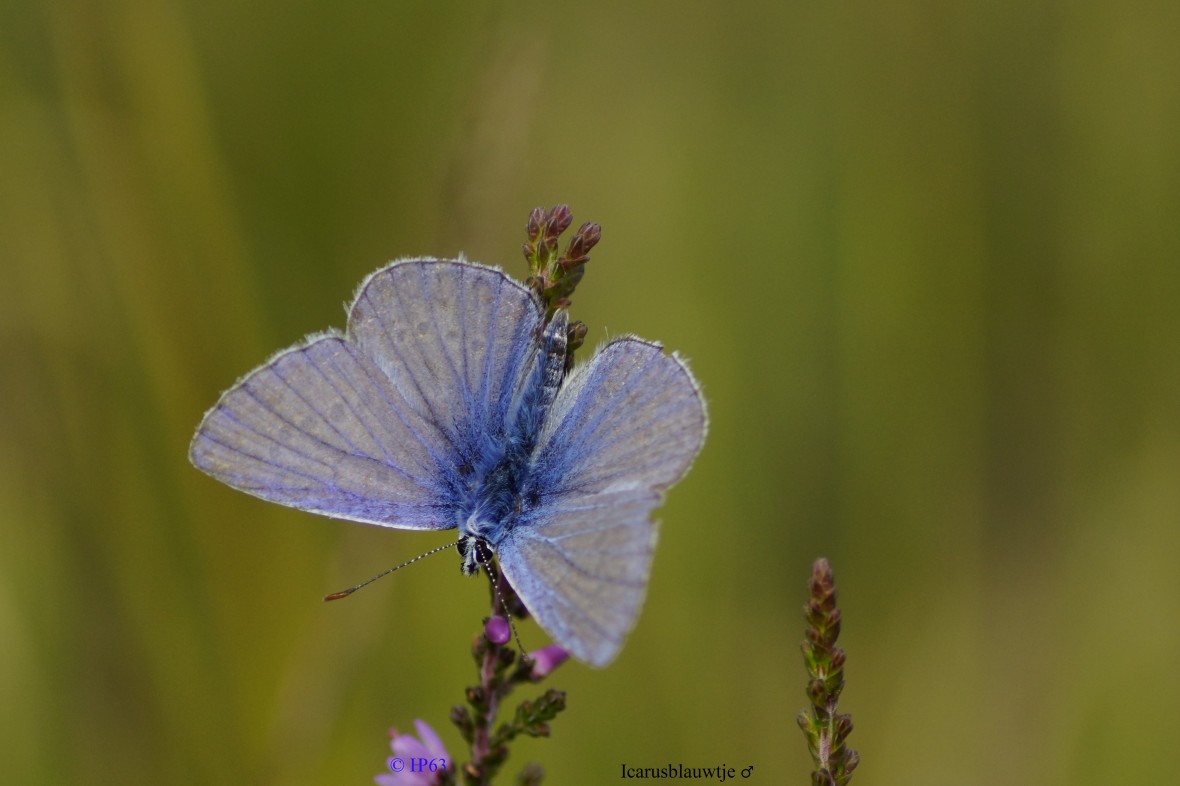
[[474, 551]]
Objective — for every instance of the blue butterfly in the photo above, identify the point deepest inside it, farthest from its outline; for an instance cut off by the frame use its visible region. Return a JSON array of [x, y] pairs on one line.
[[445, 406]]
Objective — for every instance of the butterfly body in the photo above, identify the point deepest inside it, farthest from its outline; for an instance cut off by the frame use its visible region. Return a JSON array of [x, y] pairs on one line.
[[445, 405], [508, 486]]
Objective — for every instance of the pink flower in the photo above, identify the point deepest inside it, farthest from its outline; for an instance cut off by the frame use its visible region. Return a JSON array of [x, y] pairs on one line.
[[415, 762], [547, 659]]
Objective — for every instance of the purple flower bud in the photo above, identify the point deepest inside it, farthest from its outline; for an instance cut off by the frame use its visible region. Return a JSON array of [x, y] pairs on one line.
[[843, 725], [497, 630], [547, 659], [576, 335], [587, 237], [562, 217], [536, 218]]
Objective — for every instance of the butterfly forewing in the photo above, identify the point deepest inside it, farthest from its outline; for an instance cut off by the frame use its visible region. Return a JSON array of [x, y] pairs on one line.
[[623, 428], [367, 427], [582, 570]]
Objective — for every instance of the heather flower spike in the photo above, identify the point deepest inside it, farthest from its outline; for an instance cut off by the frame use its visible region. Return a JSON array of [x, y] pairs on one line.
[[554, 276], [827, 730], [500, 671]]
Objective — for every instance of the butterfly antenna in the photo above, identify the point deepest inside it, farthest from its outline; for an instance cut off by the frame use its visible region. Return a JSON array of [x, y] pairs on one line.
[[384, 573], [486, 560]]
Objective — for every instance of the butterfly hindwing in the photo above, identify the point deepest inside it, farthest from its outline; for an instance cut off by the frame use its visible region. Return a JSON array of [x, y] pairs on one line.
[[632, 417], [455, 338]]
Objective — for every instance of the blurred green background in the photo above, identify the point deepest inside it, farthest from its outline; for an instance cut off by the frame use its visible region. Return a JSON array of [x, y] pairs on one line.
[[923, 257]]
